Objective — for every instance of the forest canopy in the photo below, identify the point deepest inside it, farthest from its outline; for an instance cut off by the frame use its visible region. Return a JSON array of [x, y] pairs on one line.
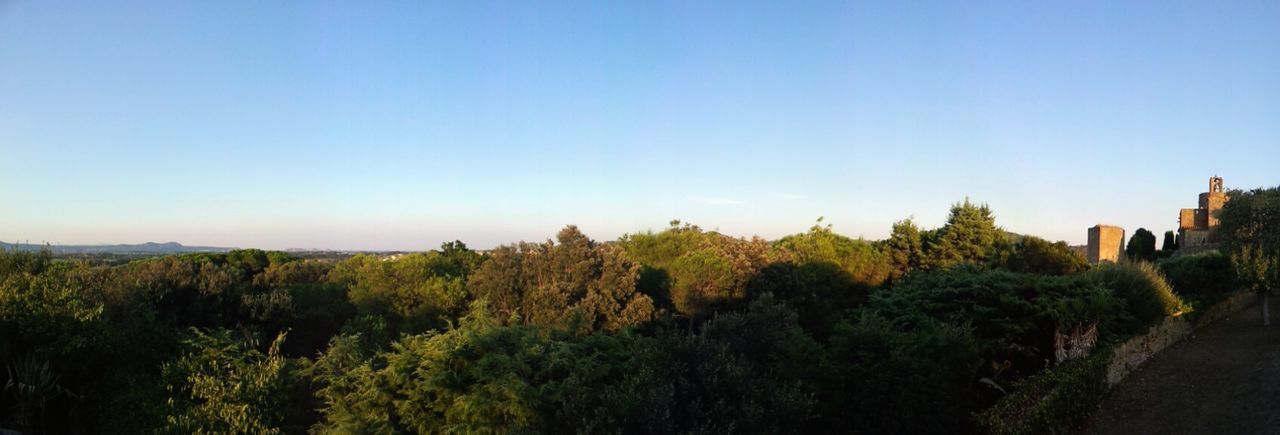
[[683, 330]]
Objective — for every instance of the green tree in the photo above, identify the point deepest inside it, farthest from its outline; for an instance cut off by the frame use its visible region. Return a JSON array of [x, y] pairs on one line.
[[1247, 227], [575, 283], [486, 377], [905, 247], [1142, 246], [1035, 255], [861, 260], [750, 371], [696, 272], [413, 293], [1170, 242], [898, 376], [819, 292], [967, 238], [226, 385]]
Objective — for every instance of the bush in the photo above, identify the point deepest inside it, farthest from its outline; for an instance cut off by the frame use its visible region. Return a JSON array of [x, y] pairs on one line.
[[1205, 277], [1144, 289], [1013, 315], [892, 376], [1039, 256], [1058, 400]]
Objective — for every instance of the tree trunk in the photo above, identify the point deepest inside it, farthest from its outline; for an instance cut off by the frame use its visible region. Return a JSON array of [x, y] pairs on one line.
[[1266, 313]]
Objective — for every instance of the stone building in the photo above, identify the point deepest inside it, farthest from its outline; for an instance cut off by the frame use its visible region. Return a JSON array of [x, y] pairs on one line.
[[1197, 227], [1106, 243]]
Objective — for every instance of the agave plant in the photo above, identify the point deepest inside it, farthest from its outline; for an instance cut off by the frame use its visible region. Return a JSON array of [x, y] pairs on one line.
[[31, 384]]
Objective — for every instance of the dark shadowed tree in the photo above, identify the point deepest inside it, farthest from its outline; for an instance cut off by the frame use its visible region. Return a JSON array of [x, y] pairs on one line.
[[1170, 242], [1142, 246], [1035, 255]]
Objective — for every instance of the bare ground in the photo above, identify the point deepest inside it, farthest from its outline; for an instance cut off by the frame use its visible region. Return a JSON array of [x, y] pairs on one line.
[[1224, 379]]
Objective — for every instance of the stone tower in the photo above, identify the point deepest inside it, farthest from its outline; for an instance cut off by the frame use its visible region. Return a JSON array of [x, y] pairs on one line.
[[1197, 226], [1106, 243]]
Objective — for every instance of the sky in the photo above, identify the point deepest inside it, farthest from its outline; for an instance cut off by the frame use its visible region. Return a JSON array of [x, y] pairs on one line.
[[400, 125]]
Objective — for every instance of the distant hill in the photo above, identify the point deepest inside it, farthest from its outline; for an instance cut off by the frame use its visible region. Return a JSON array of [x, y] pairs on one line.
[[144, 248]]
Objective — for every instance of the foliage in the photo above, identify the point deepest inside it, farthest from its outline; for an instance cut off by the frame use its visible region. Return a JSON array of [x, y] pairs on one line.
[[905, 247], [861, 260], [1205, 277], [24, 262], [1170, 242], [1148, 296], [408, 292], [1039, 256], [1057, 400], [967, 238], [30, 385], [1247, 227], [575, 284], [1142, 246], [749, 372], [1013, 316], [1256, 268], [820, 292], [681, 331], [486, 377], [697, 272], [200, 291], [898, 376], [225, 385]]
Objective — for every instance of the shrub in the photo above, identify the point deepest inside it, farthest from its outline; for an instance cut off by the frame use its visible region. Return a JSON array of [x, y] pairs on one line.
[[1205, 277], [862, 260], [1144, 289], [1039, 256], [1013, 315], [1058, 400], [895, 376]]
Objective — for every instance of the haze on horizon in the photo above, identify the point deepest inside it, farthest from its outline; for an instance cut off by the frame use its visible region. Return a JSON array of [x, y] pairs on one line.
[[397, 127]]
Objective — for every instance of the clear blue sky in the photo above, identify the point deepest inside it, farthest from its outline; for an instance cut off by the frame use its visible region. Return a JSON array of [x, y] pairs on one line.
[[400, 125]]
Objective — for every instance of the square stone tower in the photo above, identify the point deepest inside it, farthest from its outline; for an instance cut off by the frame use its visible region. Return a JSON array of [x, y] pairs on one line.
[[1106, 243], [1197, 226]]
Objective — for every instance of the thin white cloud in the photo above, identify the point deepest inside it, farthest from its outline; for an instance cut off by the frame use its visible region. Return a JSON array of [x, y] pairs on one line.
[[715, 200], [792, 196]]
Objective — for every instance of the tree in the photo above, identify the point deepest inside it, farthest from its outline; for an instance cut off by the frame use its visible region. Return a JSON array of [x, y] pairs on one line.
[[1142, 246], [861, 260], [485, 377], [575, 283], [1170, 242], [225, 385], [414, 293], [905, 247], [967, 238], [898, 376], [696, 272], [1258, 269], [1037, 255], [1247, 227]]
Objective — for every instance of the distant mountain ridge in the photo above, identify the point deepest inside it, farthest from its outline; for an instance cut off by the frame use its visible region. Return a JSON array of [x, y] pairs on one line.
[[143, 248]]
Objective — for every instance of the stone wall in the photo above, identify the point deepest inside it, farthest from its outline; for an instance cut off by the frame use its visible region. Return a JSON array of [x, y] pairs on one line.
[[1131, 354]]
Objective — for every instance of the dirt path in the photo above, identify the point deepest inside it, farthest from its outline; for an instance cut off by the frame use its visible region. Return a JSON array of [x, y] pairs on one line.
[[1225, 379]]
